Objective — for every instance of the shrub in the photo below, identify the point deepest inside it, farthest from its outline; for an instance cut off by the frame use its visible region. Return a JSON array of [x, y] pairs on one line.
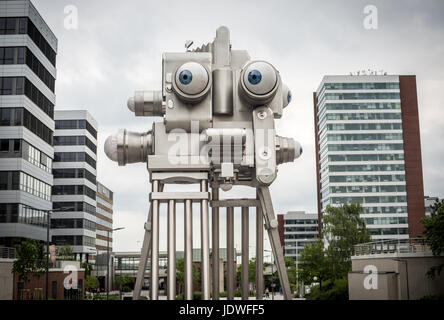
[[331, 290]]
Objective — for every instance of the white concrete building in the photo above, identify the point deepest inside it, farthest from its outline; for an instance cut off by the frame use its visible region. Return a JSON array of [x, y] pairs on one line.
[[296, 229], [75, 184], [27, 79]]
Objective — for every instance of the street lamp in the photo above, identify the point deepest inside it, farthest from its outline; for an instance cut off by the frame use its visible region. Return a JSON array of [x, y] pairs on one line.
[[107, 257]]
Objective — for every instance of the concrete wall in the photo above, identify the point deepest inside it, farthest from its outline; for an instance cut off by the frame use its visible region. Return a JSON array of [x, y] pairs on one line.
[[6, 279], [398, 278]]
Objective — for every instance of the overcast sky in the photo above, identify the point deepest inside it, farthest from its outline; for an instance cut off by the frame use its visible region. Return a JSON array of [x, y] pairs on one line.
[[118, 45]]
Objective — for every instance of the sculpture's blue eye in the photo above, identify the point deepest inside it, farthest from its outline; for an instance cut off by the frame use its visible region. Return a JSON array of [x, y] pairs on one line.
[[185, 77], [289, 96], [254, 77]]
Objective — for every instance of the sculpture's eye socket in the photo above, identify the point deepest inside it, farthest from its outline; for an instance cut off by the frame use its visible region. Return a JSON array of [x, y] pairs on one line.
[[192, 78], [260, 78], [286, 95]]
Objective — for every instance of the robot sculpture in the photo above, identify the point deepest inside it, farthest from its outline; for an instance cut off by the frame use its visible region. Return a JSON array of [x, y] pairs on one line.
[[218, 130]]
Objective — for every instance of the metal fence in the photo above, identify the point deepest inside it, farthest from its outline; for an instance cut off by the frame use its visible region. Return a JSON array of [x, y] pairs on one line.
[[391, 246], [8, 253]]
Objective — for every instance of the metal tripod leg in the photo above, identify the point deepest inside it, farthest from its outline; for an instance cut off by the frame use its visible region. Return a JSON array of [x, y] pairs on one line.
[[273, 234], [145, 252]]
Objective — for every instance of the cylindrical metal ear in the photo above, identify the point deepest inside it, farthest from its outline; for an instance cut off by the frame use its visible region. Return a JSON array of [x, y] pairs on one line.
[[147, 104], [129, 147]]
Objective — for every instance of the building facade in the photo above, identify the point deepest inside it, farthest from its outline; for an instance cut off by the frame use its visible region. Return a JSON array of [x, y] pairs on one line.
[[27, 79], [296, 229], [104, 218], [429, 202], [75, 188], [368, 150]]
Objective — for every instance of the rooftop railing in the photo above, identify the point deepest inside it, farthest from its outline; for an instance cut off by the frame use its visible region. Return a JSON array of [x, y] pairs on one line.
[[413, 245]]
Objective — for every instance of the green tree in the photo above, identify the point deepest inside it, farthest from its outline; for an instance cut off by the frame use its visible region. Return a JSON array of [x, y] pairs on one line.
[[434, 234], [124, 282], [65, 252], [180, 274], [91, 283], [314, 264], [29, 262], [343, 228], [88, 268]]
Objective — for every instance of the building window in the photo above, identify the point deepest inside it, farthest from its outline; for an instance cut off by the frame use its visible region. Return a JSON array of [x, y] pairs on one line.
[[54, 289], [23, 25], [21, 85]]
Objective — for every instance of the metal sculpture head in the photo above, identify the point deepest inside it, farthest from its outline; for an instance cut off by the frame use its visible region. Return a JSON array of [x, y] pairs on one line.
[[218, 110]]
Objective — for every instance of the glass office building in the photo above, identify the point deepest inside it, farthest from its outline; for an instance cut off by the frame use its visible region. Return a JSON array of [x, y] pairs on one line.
[[27, 81], [368, 151], [74, 192]]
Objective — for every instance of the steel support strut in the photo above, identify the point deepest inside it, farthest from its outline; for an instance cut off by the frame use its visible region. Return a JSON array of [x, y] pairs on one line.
[[215, 245], [145, 253], [230, 253], [273, 234], [188, 263], [155, 246], [245, 260], [205, 244], [259, 253], [171, 273]]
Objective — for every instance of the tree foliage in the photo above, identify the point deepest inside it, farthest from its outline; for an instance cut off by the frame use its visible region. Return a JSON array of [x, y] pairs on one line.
[[314, 263], [434, 234], [29, 262], [123, 281], [91, 282], [343, 228], [329, 263], [65, 252], [180, 273]]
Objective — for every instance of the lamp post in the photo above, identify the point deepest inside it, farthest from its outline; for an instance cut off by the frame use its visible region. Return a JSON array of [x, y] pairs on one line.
[[107, 258]]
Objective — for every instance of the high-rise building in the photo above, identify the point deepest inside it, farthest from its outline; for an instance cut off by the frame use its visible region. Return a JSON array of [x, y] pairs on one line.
[[104, 218], [296, 229], [368, 150], [27, 78], [75, 187], [429, 202]]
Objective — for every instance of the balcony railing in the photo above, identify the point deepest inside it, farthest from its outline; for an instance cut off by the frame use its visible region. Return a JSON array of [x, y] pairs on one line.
[[8, 253], [413, 245]]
